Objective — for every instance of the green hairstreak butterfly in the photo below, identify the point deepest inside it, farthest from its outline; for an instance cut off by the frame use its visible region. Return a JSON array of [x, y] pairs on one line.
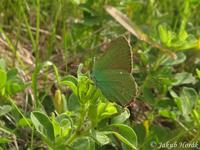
[[135, 30], [112, 72]]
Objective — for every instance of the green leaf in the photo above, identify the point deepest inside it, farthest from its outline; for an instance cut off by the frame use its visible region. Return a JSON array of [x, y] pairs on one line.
[[168, 61], [148, 95], [3, 77], [165, 35], [122, 117], [183, 35], [62, 124], [176, 99], [96, 96], [101, 138], [188, 97], [70, 81], [87, 92], [93, 94], [4, 140], [23, 122], [196, 116], [83, 87], [184, 78], [84, 143], [92, 114], [125, 134], [12, 73], [73, 103], [198, 73], [14, 85], [43, 125], [141, 131], [106, 110], [5, 109], [167, 113], [160, 134]]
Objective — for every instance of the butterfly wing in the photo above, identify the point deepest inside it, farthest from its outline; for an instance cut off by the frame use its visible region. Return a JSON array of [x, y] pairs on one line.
[[117, 56], [112, 72], [116, 85]]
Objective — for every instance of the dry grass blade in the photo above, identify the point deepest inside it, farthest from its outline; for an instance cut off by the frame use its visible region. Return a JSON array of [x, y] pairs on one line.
[[134, 29]]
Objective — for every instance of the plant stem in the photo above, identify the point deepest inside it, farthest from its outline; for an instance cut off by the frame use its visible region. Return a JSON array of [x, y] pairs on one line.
[[32, 136], [15, 106], [77, 131]]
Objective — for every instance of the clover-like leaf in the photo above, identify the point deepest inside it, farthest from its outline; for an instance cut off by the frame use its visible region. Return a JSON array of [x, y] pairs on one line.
[[125, 134], [43, 125]]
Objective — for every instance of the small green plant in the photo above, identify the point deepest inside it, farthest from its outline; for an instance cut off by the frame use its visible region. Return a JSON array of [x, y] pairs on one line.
[[10, 83], [84, 120]]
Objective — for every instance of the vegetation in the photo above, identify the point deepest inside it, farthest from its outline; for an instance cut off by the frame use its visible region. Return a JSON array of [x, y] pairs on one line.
[[50, 97]]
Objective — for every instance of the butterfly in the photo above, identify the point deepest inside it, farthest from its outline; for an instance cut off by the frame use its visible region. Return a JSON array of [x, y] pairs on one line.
[[112, 73], [135, 30]]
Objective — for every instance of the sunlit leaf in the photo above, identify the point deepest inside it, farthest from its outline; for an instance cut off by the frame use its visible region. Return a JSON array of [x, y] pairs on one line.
[[125, 134], [184, 78], [106, 110], [4, 140], [5, 109], [70, 81], [121, 118]]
